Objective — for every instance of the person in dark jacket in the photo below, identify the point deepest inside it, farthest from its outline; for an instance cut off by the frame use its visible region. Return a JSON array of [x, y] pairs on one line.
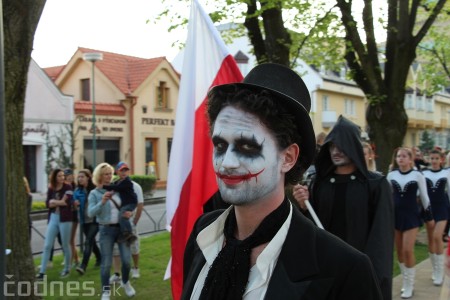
[[352, 202], [59, 202], [88, 225], [124, 186], [262, 247]]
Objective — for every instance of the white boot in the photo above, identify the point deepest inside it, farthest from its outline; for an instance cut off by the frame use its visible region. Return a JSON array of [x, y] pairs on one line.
[[409, 284], [439, 266], [402, 271], [433, 265]]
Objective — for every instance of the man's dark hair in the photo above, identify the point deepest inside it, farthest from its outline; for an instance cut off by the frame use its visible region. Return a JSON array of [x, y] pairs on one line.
[[269, 111]]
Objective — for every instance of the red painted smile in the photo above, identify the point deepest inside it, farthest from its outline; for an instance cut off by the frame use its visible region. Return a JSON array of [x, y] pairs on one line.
[[236, 179]]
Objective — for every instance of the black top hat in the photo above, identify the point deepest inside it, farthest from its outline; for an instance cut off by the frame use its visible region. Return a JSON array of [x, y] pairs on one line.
[[293, 94]]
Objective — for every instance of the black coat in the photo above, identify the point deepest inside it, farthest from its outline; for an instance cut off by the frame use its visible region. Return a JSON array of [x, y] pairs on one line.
[[313, 264], [368, 199]]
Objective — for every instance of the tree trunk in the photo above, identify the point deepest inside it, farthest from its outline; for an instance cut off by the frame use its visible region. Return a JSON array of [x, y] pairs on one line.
[[277, 43], [20, 18], [387, 126]]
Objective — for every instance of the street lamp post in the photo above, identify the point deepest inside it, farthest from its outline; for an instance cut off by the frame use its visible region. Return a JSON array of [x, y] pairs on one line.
[[93, 57]]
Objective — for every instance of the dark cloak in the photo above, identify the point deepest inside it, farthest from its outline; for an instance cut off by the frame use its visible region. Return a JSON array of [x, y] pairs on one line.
[[369, 208]]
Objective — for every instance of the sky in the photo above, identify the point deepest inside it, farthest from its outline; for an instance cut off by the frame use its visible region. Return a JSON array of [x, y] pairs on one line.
[[108, 25], [117, 26]]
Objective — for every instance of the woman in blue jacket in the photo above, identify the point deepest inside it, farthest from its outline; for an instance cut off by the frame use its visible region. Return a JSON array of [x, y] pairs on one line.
[[105, 207]]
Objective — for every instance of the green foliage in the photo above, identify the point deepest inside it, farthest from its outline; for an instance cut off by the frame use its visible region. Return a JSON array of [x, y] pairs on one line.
[[49, 154], [434, 55], [426, 142], [147, 182], [38, 205], [376, 99], [57, 156], [314, 27]]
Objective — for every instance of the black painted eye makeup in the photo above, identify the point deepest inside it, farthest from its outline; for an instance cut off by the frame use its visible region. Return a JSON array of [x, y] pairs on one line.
[[242, 146], [220, 145], [248, 147]]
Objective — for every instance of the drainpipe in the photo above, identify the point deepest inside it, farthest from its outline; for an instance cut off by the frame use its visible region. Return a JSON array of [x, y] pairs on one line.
[[133, 102]]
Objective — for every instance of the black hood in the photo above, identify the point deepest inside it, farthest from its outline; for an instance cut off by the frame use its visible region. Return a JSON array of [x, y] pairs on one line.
[[346, 135]]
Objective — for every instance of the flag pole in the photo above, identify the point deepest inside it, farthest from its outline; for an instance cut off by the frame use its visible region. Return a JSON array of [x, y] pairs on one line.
[[313, 214], [191, 179]]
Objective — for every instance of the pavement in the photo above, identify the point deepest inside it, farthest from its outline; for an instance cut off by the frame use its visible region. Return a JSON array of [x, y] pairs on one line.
[[423, 285]]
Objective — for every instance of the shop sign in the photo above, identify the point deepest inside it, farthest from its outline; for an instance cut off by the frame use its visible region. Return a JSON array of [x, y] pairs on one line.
[[157, 121], [103, 122], [36, 129]]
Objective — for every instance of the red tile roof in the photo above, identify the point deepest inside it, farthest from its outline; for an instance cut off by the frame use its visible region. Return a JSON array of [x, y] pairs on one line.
[[53, 72], [85, 107], [126, 72]]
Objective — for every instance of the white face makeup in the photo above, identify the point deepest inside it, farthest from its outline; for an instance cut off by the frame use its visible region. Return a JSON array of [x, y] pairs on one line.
[[338, 157], [246, 159]]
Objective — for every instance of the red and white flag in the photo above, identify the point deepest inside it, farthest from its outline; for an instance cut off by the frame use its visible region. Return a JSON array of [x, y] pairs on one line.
[[191, 179]]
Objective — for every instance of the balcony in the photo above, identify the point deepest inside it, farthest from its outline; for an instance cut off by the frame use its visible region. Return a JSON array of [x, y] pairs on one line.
[[328, 118]]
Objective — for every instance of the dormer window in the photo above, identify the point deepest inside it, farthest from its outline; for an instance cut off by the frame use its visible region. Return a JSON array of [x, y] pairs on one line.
[[162, 101], [85, 89]]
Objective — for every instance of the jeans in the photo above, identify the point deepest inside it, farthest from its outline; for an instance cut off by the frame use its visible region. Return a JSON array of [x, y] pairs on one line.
[[108, 236], [125, 226], [54, 227], [58, 238], [90, 230]]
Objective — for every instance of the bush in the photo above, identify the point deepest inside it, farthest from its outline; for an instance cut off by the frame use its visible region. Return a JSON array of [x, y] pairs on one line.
[[38, 206], [147, 182]]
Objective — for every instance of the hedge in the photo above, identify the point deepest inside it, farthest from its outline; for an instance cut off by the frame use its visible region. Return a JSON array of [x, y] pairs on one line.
[[38, 205], [147, 182]]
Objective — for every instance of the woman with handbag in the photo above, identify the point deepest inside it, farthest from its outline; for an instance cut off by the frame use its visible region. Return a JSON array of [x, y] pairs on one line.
[[105, 206]]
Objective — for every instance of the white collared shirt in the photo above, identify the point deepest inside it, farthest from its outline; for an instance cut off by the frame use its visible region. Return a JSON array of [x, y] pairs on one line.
[[211, 240]]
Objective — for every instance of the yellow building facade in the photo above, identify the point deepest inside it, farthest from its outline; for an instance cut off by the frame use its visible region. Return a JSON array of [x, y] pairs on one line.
[[135, 104]]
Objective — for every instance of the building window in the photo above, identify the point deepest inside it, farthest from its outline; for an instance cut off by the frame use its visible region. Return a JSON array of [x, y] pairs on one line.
[[429, 104], [349, 108], [409, 104], [162, 92], [325, 103], [85, 89], [151, 154], [419, 103]]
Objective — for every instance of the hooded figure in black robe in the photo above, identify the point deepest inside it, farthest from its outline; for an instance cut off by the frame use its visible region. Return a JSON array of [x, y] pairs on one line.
[[356, 207]]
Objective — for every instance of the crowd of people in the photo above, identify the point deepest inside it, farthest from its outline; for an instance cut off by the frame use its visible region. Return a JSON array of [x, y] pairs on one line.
[[100, 207], [415, 191], [334, 239]]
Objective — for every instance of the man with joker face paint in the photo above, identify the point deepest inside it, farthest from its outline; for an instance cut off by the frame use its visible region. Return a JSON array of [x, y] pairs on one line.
[[262, 247]]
